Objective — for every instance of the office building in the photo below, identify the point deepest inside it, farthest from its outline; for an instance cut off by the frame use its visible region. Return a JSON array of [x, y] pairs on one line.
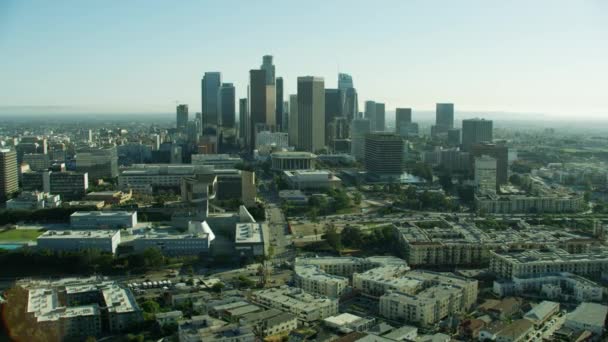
[[293, 120], [34, 200], [498, 152], [403, 118], [384, 154], [282, 161], [311, 114], [475, 131], [196, 191], [103, 219], [243, 121], [345, 81], [78, 240], [145, 178], [262, 108], [37, 161], [454, 137], [248, 188], [69, 185], [307, 307], [269, 69], [444, 117], [485, 174], [279, 106], [9, 178], [370, 114], [359, 128], [181, 117], [226, 105], [380, 114], [216, 161], [332, 108], [348, 97], [99, 163], [249, 239], [196, 241], [210, 88], [110, 197]]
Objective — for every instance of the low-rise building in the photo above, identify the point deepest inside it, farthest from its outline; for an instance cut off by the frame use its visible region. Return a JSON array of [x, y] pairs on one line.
[[195, 242], [282, 161], [513, 204], [588, 316], [34, 200], [249, 239], [170, 317], [305, 306], [542, 312], [103, 219], [311, 279], [271, 321], [311, 179], [346, 323], [217, 161], [109, 197], [293, 197], [76, 240], [518, 330]]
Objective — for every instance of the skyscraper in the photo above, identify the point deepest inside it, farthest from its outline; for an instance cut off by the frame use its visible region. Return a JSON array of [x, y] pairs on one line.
[[475, 131], [182, 116], [9, 178], [210, 86], [268, 67], [403, 117], [345, 81], [370, 114], [243, 120], [349, 105], [332, 109], [226, 103], [279, 104], [293, 120], [384, 154], [380, 117], [444, 117], [261, 105], [359, 128], [311, 113]]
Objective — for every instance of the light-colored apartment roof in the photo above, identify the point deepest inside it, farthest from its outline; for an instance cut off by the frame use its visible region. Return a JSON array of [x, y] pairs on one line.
[[589, 313]]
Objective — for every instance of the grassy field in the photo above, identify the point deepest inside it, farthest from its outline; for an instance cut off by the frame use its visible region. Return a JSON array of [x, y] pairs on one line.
[[19, 235]]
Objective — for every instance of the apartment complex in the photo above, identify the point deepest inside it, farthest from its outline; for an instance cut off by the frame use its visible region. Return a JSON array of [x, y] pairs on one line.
[[305, 306], [463, 243]]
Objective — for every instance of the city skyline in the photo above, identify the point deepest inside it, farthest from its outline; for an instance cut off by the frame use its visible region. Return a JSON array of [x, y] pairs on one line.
[[97, 58]]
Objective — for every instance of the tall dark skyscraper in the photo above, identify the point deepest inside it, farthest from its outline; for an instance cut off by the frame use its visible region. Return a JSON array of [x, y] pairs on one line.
[[210, 88], [243, 120], [226, 103], [444, 117], [345, 81], [403, 117], [269, 68], [475, 131], [261, 105], [311, 113], [333, 108], [279, 104], [370, 114], [380, 117], [181, 117], [9, 177]]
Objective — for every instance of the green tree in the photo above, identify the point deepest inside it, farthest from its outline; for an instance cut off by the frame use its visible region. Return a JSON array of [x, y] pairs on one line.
[[150, 306], [332, 237], [153, 258]]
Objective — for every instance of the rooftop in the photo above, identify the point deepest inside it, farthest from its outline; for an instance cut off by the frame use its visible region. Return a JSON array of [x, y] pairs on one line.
[[589, 313], [78, 234], [248, 233]]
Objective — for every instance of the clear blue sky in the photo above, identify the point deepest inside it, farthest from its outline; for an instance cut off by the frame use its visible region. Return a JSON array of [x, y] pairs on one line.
[[546, 56]]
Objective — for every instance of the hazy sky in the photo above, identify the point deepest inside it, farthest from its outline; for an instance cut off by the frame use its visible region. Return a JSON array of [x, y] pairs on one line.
[[546, 56]]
